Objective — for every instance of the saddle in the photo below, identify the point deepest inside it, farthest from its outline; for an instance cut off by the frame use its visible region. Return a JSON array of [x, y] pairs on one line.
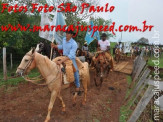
[[99, 53], [69, 68]]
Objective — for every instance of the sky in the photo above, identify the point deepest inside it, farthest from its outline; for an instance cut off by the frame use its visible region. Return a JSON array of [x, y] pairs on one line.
[[134, 12]]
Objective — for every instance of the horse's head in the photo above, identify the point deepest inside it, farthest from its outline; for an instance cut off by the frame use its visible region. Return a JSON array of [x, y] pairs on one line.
[[45, 48], [102, 64], [78, 52], [117, 51], [101, 58], [40, 47], [27, 63]]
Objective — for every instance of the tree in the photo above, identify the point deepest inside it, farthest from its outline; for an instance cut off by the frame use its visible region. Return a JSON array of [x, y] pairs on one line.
[[101, 21], [143, 41], [18, 42], [74, 17]]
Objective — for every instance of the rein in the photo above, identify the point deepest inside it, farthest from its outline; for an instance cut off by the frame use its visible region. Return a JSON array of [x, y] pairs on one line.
[[43, 84], [29, 63], [32, 80]]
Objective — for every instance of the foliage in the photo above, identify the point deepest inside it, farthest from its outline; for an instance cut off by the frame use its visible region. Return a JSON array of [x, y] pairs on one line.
[[143, 41], [151, 63], [124, 111], [17, 80], [100, 21], [76, 16], [18, 42]]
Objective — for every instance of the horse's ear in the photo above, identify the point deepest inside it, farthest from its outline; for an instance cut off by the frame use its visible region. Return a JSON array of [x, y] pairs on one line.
[[33, 50]]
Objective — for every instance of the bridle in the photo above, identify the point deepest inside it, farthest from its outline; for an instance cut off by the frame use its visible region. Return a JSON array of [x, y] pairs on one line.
[[28, 64], [34, 79]]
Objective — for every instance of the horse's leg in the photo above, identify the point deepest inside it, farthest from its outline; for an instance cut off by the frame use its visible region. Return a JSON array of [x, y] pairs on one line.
[[52, 99], [118, 58], [93, 62], [102, 73], [84, 82], [111, 63], [95, 75], [74, 98], [63, 104]]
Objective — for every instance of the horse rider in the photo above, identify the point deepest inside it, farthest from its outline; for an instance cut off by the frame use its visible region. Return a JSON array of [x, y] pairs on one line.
[[69, 47], [85, 49], [115, 47], [104, 45], [120, 46]]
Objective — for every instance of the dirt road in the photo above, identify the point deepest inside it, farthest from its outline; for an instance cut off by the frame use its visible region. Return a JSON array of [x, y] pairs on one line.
[[28, 102]]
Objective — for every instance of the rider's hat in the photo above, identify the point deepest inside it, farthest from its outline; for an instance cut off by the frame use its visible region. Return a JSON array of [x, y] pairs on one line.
[[85, 42], [69, 31], [103, 35]]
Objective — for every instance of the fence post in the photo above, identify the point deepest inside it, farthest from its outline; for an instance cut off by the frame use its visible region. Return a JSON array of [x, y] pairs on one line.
[[4, 64], [11, 60], [142, 104]]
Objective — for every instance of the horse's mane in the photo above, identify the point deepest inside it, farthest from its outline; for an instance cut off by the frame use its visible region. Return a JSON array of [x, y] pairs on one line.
[[50, 64], [47, 49]]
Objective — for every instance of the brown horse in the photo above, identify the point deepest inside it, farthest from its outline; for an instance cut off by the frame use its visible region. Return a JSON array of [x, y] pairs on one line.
[[52, 74], [88, 55], [119, 55], [103, 62]]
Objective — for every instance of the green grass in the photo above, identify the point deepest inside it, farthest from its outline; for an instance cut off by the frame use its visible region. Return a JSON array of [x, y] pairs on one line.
[[124, 111], [112, 45], [15, 81], [151, 63], [129, 80], [12, 82], [9, 71], [96, 120], [124, 114]]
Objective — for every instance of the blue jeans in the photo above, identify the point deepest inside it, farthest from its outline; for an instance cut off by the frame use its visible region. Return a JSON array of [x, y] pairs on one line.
[[76, 74]]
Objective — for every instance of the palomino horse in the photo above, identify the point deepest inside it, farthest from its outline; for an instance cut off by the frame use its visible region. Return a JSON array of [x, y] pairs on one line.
[[52, 74], [103, 62], [88, 55], [45, 48]]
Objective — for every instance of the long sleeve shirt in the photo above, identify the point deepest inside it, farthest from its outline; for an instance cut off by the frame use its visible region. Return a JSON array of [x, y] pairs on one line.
[[69, 48]]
